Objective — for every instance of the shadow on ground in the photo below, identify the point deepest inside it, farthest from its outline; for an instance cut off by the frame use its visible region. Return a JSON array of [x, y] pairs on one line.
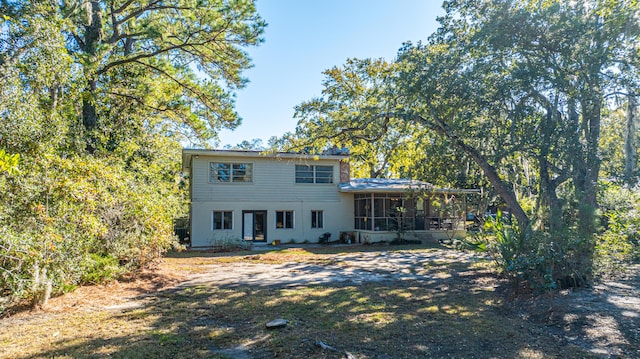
[[437, 308]]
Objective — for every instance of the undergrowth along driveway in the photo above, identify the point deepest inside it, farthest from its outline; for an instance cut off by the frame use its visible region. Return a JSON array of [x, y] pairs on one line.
[[365, 302]]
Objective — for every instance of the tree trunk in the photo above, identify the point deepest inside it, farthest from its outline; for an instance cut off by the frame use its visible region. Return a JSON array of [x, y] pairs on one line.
[[630, 145], [92, 39], [548, 191], [585, 156], [500, 186], [547, 185], [89, 116], [503, 189]]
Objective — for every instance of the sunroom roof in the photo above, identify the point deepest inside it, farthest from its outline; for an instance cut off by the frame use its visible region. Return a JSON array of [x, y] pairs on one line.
[[385, 185]]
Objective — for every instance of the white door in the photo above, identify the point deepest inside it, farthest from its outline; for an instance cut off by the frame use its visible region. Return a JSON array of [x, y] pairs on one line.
[[248, 226]]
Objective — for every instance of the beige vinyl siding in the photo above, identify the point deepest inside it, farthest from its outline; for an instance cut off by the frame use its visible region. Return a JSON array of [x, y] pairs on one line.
[[338, 216], [272, 189], [273, 180]]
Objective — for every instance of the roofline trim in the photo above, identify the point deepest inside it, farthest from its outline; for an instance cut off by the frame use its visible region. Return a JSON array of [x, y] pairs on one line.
[[188, 153], [408, 190]]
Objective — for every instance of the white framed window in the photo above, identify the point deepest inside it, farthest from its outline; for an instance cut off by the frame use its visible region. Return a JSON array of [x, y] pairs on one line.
[[284, 219], [314, 174], [224, 172], [317, 219], [222, 220]]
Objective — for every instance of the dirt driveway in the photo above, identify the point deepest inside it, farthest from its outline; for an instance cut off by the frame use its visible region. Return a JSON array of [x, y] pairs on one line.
[[428, 288], [604, 319], [352, 268]]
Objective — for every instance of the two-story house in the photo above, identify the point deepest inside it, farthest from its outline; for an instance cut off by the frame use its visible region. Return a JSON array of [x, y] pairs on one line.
[[297, 198]]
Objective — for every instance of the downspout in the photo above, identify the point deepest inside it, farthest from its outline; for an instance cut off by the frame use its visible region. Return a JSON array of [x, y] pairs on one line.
[[190, 201], [302, 219]]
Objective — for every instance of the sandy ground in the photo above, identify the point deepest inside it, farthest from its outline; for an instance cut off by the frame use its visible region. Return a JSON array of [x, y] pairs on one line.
[[354, 268], [604, 318]]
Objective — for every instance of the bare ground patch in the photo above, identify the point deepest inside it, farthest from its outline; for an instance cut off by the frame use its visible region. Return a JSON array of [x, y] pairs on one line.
[[363, 302]]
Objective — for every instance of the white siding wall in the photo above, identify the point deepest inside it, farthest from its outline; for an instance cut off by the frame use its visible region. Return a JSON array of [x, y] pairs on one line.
[[273, 189]]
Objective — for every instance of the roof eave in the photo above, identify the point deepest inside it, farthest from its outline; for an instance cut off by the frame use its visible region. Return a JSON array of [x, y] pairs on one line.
[[190, 152], [409, 190]]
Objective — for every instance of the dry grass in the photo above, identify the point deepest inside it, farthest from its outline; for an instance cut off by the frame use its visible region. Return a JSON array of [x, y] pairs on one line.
[[152, 318]]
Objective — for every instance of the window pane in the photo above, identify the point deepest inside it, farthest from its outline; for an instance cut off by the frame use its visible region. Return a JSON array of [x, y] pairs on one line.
[[361, 223], [393, 207], [284, 219], [230, 172], [222, 220], [378, 205], [217, 220], [288, 219], [380, 224], [219, 172], [317, 219], [388, 210], [248, 172], [324, 174], [228, 220], [242, 172], [279, 219], [223, 172], [363, 207], [304, 174]]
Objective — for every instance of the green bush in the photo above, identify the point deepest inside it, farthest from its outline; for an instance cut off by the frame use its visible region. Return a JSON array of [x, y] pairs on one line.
[[67, 221], [543, 261], [15, 267], [229, 244], [619, 242], [101, 269]]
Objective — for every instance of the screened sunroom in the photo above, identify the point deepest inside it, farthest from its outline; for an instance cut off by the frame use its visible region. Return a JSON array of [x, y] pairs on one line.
[[386, 208]]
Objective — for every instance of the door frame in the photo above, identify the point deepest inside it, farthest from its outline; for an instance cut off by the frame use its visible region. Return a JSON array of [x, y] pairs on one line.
[[264, 225]]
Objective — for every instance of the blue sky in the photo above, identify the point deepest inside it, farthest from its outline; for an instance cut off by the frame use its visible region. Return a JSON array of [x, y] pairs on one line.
[[306, 37]]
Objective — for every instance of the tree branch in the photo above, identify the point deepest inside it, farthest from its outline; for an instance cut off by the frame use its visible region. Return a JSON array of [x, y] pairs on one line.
[[136, 58], [122, 7], [203, 98]]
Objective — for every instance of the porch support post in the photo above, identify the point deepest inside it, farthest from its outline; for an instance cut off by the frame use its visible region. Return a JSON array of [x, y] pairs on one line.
[[373, 219]]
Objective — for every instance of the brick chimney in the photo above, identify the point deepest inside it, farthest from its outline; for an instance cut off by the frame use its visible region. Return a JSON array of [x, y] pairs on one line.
[[345, 171]]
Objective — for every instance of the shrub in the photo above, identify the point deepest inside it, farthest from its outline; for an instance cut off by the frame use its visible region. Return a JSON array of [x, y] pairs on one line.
[[543, 261], [229, 244], [79, 219], [619, 242], [101, 269]]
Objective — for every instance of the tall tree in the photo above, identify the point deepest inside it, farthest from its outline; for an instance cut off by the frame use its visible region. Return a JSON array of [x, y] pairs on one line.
[[560, 62], [95, 98], [630, 142], [390, 147], [504, 82], [181, 59]]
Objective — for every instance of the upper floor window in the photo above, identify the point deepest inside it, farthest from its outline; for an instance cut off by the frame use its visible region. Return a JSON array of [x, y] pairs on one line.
[[230, 172], [314, 174]]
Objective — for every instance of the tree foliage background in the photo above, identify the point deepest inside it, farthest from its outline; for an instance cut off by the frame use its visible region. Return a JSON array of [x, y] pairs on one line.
[[97, 99], [535, 101]]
